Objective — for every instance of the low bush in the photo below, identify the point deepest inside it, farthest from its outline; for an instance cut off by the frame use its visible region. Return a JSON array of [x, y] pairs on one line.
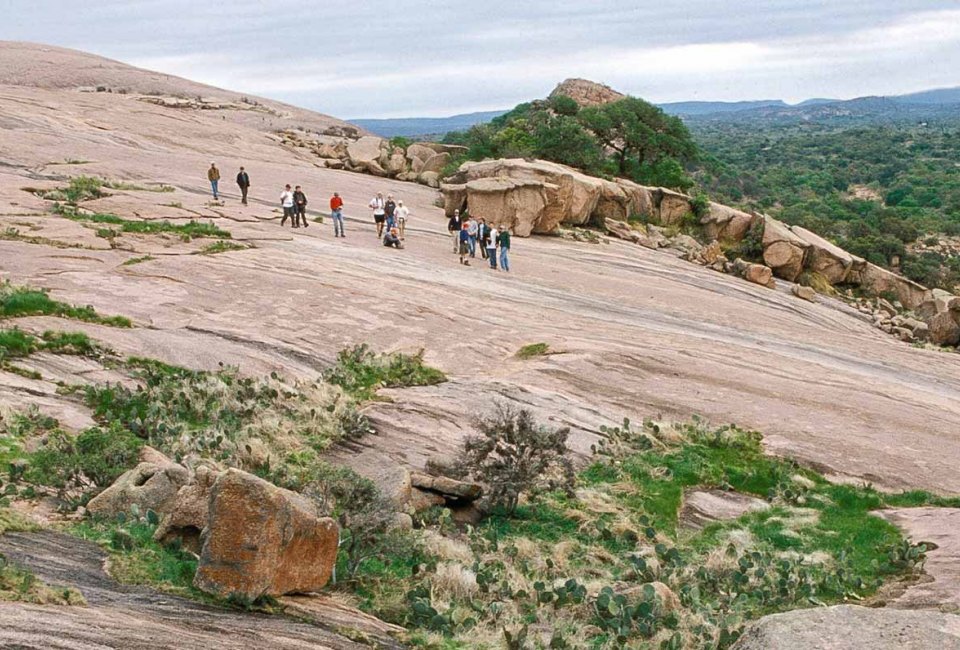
[[23, 301], [533, 350], [360, 372]]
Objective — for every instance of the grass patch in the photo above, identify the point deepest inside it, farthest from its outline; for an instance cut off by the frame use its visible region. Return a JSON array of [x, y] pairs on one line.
[[188, 231], [138, 260], [360, 372], [221, 246], [533, 350], [16, 301], [20, 585], [14, 234]]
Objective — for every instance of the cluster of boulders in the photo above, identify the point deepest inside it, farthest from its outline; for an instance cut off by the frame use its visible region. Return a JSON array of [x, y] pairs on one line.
[[252, 537], [540, 197], [414, 492], [420, 162], [892, 318]]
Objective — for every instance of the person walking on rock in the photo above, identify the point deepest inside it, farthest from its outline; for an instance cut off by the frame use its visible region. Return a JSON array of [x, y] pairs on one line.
[[473, 229], [504, 242], [336, 214], [464, 236], [454, 227], [213, 175], [483, 234], [390, 210], [299, 208], [402, 213], [286, 202], [492, 247], [243, 181], [379, 215]]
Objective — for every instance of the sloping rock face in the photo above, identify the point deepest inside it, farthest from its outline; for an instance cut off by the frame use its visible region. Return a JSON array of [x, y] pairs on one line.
[[263, 540], [848, 627], [586, 92]]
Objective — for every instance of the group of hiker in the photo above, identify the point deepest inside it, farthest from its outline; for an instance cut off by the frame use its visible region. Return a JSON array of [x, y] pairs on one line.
[[390, 218], [469, 234]]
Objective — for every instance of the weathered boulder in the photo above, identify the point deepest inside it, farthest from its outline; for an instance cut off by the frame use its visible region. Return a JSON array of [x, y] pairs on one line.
[[419, 151], [944, 329], [448, 487], [703, 507], [519, 203], [783, 251], [150, 485], [806, 293], [586, 93], [826, 258], [759, 274], [435, 163], [877, 281], [454, 197], [430, 179], [672, 206], [613, 203], [396, 163], [849, 627], [365, 151], [187, 515], [263, 540], [421, 500], [724, 223], [639, 198]]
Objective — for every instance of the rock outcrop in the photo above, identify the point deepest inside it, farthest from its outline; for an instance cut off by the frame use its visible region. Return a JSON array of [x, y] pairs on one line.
[[586, 92], [263, 540], [151, 485], [186, 516]]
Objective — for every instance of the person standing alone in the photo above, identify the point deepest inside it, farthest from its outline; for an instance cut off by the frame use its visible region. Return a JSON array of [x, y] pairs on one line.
[[453, 227], [402, 213], [299, 208], [213, 175], [243, 181], [504, 247], [286, 201], [336, 213]]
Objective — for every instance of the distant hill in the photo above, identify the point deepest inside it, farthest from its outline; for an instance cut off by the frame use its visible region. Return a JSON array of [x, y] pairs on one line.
[[423, 126], [937, 104]]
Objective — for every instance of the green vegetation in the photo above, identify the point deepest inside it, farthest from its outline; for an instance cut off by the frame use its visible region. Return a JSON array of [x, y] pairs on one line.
[[400, 141], [360, 372], [138, 260], [630, 138], [533, 350], [871, 189], [17, 343], [86, 188], [16, 301], [20, 585], [190, 230], [14, 234], [221, 246], [610, 565]]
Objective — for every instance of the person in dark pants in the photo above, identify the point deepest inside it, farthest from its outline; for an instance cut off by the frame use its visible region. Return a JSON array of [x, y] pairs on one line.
[[243, 181], [286, 202], [392, 239], [483, 236], [299, 207], [390, 210], [453, 227], [464, 243]]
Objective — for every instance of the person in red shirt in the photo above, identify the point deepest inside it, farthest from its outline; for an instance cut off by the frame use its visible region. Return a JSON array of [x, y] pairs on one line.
[[336, 213]]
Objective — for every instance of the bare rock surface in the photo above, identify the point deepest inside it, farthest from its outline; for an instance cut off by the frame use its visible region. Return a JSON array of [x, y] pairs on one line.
[[849, 627], [702, 507], [940, 587], [124, 617]]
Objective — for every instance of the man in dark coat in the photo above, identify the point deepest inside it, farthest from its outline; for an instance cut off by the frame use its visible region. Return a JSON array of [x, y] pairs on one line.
[[243, 181], [299, 208]]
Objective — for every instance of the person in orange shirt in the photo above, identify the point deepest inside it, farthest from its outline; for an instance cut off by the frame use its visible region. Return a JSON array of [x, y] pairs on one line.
[[336, 213]]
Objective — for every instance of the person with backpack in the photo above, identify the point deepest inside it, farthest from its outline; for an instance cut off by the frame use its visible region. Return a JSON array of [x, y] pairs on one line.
[[504, 241], [213, 175], [243, 181], [336, 214], [492, 247], [454, 227], [300, 208], [377, 204], [286, 202]]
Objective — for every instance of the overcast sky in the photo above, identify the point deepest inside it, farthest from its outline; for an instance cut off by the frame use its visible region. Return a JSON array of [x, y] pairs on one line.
[[393, 58]]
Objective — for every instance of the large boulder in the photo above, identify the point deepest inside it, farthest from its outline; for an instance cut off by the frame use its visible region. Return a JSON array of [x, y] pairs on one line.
[[449, 488], [640, 198], [419, 151], [263, 540], [826, 258], [186, 517], [759, 274], [944, 329], [506, 200], [454, 197], [878, 281], [365, 152], [849, 627], [783, 251], [724, 223], [672, 206], [435, 163], [151, 485]]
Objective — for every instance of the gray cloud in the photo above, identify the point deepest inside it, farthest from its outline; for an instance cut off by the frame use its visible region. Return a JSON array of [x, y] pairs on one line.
[[424, 57]]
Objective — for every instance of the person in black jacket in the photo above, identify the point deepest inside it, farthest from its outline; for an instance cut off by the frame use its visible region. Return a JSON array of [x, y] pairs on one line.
[[243, 181], [453, 227], [299, 207], [483, 236]]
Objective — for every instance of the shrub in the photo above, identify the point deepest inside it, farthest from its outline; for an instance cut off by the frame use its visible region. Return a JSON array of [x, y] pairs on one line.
[[360, 372], [97, 455], [533, 350], [24, 301], [514, 455]]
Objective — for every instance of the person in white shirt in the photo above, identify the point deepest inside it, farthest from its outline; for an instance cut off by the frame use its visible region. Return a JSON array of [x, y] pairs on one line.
[[286, 201], [379, 212], [492, 247], [473, 229], [402, 213]]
